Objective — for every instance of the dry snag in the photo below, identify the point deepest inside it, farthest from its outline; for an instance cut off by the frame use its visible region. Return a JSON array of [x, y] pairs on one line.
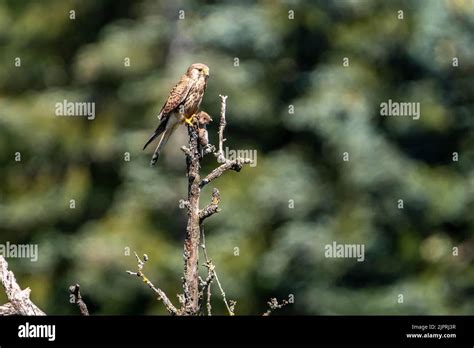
[[196, 216], [75, 292], [196, 290], [19, 300]]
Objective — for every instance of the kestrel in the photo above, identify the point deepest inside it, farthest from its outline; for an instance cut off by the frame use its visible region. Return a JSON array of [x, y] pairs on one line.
[[182, 104]]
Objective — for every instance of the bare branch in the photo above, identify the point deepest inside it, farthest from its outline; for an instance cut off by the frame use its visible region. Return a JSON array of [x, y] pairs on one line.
[[191, 242], [19, 299], [235, 164], [220, 153], [208, 303], [273, 305], [206, 285], [75, 291], [212, 207], [229, 305], [181, 299], [212, 274], [195, 218], [8, 309], [161, 295]]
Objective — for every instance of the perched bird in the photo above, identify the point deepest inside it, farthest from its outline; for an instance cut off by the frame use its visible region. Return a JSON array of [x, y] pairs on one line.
[[203, 120], [181, 106]]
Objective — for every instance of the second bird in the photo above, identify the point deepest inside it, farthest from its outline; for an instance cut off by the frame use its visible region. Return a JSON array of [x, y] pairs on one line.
[[183, 102]]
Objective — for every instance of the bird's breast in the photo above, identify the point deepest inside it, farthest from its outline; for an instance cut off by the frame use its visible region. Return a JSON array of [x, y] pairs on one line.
[[194, 98]]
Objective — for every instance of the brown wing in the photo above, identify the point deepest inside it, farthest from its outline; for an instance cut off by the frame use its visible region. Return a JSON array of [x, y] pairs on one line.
[[177, 95]]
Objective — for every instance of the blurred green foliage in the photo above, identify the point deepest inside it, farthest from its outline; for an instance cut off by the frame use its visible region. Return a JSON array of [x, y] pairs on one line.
[[282, 62]]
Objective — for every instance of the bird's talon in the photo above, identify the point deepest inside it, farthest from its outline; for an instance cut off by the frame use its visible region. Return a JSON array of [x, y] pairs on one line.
[[189, 120]]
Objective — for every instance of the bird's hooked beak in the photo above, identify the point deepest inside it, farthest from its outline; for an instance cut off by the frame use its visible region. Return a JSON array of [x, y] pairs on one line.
[[206, 71]]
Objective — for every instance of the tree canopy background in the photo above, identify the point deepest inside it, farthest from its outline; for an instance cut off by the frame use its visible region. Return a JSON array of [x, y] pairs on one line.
[[299, 197]]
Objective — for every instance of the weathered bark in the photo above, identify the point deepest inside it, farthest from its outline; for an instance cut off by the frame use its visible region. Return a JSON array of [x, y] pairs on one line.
[[76, 292], [20, 303], [191, 243]]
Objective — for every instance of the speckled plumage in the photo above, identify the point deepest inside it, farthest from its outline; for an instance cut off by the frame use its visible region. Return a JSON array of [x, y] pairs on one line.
[[183, 102]]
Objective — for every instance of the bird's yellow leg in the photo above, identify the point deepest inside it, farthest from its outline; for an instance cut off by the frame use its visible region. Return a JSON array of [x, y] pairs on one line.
[[189, 120]]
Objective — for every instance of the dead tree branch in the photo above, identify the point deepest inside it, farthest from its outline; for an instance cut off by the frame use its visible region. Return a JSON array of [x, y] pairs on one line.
[[220, 153], [212, 207], [230, 305], [206, 285], [191, 243], [19, 300], [161, 295], [75, 291], [212, 275], [235, 165], [273, 305], [193, 297], [7, 309]]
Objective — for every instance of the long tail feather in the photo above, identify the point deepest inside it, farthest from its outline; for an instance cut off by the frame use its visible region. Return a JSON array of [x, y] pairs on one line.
[[160, 129], [164, 139]]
